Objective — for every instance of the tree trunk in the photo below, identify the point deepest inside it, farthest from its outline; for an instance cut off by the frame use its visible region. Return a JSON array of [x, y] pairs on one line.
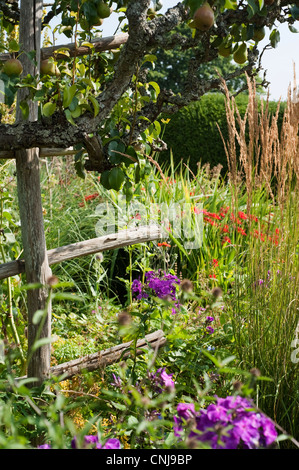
[[30, 205]]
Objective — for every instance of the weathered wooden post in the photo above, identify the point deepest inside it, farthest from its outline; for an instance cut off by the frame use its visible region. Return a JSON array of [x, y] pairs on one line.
[[29, 194]]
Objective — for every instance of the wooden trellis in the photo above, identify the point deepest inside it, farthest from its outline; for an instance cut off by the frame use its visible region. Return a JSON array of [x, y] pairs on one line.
[[37, 259]]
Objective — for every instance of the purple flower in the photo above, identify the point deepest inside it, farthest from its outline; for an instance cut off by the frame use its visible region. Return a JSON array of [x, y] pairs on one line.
[[117, 382], [137, 287], [210, 330], [112, 443], [230, 423], [162, 285], [88, 442], [166, 379], [161, 381], [92, 442], [44, 446], [209, 319], [267, 430], [186, 410]]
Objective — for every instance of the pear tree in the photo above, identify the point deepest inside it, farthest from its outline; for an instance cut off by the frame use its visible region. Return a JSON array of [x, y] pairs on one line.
[[79, 96], [93, 95]]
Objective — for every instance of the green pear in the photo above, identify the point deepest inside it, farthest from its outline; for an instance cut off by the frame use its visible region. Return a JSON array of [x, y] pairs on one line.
[[224, 50], [240, 55], [259, 34], [104, 10], [12, 67]]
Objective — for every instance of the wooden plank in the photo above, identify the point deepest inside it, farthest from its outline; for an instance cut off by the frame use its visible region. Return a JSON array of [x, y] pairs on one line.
[[109, 356], [30, 204], [102, 359], [100, 45], [87, 247], [43, 153]]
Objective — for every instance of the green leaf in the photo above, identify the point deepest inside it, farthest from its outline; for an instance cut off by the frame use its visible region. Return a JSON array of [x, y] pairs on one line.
[[38, 316], [79, 168], [87, 44], [67, 296], [13, 46], [68, 94], [77, 112], [212, 358], [69, 116], [118, 406], [48, 109], [149, 58], [252, 8], [155, 86], [230, 5], [274, 37], [95, 103], [40, 342], [175, 240], [24, 109], [132, 421], [74, 104], [293, 29]]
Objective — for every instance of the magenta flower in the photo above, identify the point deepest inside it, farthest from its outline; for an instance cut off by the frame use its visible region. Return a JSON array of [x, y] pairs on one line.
[[92, 442], [210, 330], [186, 410], [112, 443], [230, 423], [161, 381]]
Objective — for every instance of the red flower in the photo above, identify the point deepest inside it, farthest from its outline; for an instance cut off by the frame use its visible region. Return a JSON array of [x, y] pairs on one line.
[[89, 198], [242, 215], [164, 244], [241, 231], [226, 240], [225, 228], [224, 210], [212, 276], [215, 262]]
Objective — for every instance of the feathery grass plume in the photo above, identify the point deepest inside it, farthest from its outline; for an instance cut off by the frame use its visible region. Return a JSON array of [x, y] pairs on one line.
[[264, 301]]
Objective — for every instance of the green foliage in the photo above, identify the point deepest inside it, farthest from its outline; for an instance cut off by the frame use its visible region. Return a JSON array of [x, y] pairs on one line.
[[171, 66], [192, 134]]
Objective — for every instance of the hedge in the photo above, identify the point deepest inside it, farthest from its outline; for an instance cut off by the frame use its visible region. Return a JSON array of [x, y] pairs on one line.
[[192, 134]]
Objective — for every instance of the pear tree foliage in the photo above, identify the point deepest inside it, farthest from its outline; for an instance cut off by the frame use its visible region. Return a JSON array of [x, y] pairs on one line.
[[106, 104]]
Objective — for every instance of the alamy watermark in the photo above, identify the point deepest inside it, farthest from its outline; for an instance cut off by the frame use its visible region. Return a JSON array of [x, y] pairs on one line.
[[183, 220]]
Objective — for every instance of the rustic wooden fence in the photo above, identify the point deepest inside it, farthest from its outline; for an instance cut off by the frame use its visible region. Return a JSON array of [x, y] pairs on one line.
[[37, 259]]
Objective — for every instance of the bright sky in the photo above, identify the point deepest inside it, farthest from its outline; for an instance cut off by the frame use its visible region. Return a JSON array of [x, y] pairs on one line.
[[277, 62]]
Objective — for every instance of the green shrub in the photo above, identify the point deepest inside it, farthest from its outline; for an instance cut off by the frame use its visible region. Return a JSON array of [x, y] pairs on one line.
[[192, 134]]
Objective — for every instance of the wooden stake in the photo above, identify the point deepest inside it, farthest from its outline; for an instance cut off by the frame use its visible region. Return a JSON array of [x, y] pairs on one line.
[[123, 238], [30, 205]]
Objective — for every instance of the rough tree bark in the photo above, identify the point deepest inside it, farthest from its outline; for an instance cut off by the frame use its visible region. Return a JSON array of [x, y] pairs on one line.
[[30, 205]]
